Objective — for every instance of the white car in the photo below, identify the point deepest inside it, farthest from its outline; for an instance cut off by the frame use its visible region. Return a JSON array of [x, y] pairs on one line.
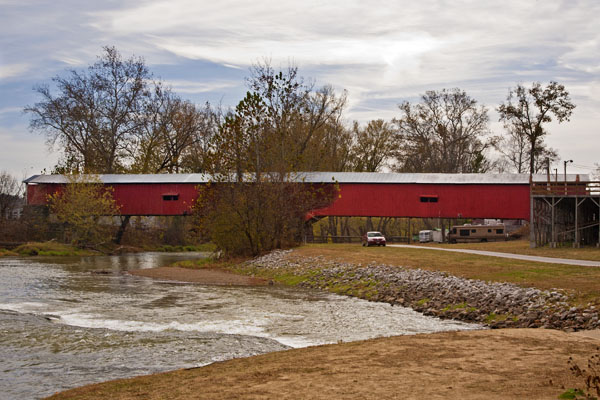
[[373, 239]]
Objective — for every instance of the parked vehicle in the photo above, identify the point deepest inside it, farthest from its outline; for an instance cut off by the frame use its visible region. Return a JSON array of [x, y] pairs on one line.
[[477, 233], [373, 239], [427, 236]]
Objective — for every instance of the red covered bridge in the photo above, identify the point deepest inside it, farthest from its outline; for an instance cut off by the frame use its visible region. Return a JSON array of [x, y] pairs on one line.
[[502, 196]]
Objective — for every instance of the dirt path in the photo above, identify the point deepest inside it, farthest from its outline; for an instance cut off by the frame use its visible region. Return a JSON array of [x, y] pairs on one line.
[[550, 260], [493, 364], [205, 276]]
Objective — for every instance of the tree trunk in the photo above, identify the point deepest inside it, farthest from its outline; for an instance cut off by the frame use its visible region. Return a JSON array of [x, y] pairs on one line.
[[121, 231]]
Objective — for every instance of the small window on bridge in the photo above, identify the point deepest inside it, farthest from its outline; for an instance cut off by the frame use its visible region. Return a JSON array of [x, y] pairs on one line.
[[429, 199], [170, 197]]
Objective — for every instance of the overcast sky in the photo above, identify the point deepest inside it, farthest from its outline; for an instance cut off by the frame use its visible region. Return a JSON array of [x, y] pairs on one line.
[[381, 52]]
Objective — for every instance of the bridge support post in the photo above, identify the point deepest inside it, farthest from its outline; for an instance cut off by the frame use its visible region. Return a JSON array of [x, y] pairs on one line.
[[576, 242], [553, 240], [532, 243]]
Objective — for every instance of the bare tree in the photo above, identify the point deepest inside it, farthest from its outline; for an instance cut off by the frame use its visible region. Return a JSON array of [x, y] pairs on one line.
[[95, 113], [596, 172], [171, 128], [375, 145], [525, 112], [10, 193], [197, 156], [446, 132], [296, 113]]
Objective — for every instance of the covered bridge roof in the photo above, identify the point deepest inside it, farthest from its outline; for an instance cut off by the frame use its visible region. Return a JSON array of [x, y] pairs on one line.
[[322, 177]]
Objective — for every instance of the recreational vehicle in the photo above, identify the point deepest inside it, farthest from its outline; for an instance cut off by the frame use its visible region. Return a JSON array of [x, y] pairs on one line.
[[477, 233]]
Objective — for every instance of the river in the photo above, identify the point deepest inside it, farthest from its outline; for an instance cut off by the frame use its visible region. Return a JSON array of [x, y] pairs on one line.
[[67, 322]]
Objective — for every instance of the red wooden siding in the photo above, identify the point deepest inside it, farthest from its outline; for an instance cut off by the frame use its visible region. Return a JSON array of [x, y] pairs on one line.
[[504, 201], [453, 201], [147, 198]]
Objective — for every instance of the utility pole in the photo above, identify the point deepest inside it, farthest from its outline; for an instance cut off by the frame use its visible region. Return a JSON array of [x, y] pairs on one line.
[[565, 164]]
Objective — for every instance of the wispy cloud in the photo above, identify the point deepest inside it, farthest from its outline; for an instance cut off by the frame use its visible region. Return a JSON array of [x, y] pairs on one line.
[[188, 87], [382, 52], [10, 110], [13, 70]]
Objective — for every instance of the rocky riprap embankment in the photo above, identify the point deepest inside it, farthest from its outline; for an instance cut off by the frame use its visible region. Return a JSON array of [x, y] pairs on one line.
[[497, 305]]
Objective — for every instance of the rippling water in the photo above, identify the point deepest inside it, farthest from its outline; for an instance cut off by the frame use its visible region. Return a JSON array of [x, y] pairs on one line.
[[81, 320]]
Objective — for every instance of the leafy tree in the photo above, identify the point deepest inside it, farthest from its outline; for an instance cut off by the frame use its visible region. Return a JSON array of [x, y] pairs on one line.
[[524, 114], [80, 205], [258, 201], [446, 132]]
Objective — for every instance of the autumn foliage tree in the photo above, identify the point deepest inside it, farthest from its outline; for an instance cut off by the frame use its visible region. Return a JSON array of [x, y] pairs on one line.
[[80, 205], [258, 200]]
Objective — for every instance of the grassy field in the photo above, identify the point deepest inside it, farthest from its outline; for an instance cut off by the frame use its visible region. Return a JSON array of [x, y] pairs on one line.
[[522, 247], [46, 249], [583, 282]]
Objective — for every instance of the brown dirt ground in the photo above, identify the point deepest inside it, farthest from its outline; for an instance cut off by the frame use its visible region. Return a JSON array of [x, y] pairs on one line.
[[491, 364], [206, 276]]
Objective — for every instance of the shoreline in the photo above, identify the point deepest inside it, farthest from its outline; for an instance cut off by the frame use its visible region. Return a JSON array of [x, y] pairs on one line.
[[491, 364], [494, 364], [433, 293], [205, 276]]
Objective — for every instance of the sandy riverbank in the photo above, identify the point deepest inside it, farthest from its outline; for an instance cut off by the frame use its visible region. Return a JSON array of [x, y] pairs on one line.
[[490, 364]]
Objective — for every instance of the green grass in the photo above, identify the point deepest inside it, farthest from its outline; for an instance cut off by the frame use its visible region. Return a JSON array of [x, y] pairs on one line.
[[493, 317], [54, 249], [573, 394], [7, 253]]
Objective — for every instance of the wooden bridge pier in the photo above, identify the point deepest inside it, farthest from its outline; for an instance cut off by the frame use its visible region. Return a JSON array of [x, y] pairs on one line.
[[565, 212]]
